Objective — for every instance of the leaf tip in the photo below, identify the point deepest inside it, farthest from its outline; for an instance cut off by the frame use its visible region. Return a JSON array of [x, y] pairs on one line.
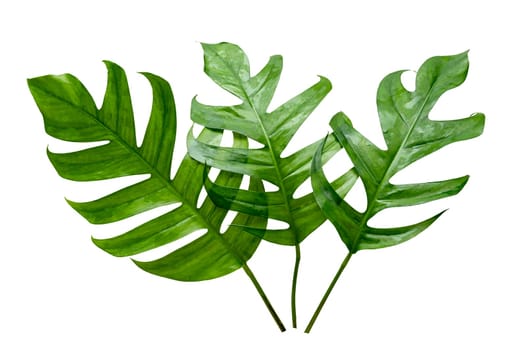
[[97, 242], [205, 45], [463, 59], [216, 46], [277, 57], [30, 81], [339, 119], [150, 76], [108, 245], [140, 264], [73, 204], [32, 84], [112, 67], [482, 120], [208, 48], [325, 82]]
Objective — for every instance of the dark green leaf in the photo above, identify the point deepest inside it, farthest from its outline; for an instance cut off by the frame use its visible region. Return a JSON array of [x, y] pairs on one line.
[[70, 114]]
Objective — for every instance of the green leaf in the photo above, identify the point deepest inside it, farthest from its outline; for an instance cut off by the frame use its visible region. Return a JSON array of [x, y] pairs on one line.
[[70, 114], [409, 135], [227, 65]]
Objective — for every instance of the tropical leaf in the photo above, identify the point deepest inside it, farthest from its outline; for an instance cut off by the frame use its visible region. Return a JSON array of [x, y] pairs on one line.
[[228, 66], [409, 135], [70, 114]]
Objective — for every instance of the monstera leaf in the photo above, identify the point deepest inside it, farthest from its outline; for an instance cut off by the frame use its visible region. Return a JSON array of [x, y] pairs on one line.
[[70, 114], [409, 135], [227, 65], [259, 138]]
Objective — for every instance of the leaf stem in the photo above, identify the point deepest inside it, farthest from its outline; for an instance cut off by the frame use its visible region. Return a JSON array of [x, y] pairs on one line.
[[263, 296], [328, 292], [294, 283]]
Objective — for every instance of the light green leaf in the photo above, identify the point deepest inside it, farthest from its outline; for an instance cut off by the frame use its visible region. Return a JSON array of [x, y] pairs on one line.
[[227, 65], [409, 135]]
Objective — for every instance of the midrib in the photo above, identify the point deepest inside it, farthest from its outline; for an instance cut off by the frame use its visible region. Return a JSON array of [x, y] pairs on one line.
[[393, 161], [134, 150], [274, 158]]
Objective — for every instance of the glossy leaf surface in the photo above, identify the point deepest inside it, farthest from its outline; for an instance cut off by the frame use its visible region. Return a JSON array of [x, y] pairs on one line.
[[70, 114], [409, 135], [228, 66]]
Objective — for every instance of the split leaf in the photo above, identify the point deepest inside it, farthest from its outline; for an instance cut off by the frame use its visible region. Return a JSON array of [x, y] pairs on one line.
[[70, 114], [228, 66], [409, 135]]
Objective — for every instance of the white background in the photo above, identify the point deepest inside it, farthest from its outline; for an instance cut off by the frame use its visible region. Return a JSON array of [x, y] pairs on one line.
[[459, 285]]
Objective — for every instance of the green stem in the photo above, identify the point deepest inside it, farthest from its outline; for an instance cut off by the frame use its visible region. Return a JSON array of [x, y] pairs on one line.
[[263, 296], [328, 292], [294, 283]]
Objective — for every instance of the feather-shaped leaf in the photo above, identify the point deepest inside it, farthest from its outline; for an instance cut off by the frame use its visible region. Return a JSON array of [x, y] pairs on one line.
[[70, 114], [227, 65], [409, 135]]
